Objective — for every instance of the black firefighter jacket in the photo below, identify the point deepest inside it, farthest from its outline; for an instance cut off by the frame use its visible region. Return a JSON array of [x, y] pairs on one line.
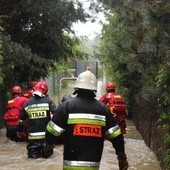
[[37, 111], [86, 123]]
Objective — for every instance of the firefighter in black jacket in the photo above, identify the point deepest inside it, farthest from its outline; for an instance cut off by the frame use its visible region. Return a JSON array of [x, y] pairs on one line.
[[85, 122], [38, 111]]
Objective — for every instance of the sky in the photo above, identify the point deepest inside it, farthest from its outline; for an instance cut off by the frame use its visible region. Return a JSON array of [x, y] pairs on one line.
[[89, 29]]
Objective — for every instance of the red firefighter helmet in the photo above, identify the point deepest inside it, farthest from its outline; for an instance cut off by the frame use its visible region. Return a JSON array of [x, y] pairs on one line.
[[16, 89], [41, 88], [32, 84], [110, 86]]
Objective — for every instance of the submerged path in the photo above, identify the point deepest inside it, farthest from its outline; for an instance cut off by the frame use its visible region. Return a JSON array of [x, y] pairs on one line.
[[13, 156], [140, 157]]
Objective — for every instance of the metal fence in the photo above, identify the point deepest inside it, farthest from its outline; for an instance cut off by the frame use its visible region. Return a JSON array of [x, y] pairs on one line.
[[55, 80]]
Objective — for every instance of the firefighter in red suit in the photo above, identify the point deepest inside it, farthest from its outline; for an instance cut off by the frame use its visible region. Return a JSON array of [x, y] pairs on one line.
[[116, 105], [14, 107], [28, 93], [85, 122]]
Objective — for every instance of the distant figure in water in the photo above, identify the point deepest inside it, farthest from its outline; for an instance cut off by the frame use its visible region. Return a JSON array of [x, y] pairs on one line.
[[12, 114]]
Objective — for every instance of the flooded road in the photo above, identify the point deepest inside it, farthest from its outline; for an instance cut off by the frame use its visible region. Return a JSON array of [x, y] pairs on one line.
[[13, 156]]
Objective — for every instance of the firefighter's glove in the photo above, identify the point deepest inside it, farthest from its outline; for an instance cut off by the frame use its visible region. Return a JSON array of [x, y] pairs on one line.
[[47, 150], [123, 163]]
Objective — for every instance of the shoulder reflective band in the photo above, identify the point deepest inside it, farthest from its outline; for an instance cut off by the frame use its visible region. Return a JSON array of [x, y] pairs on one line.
[[81, 163], [83, 118], [113, 132], [10, 101], [37, 135], [117, 96], [54, 129], [26, 94]]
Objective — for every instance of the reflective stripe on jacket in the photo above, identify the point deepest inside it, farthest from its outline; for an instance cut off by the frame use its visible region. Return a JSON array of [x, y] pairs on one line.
[[80, 165], [85, 123], [38, 112], [37, 135]]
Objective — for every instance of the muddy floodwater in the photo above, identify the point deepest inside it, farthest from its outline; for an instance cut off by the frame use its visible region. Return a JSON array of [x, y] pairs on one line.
[[13, 156]]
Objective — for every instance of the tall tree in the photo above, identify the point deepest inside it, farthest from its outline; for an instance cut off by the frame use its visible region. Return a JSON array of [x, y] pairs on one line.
[[137, 37], [40, 26], [1, 55], [34, 37]]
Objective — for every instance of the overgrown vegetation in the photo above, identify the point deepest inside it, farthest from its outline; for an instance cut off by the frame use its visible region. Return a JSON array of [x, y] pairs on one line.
[[1, 55], [35, 39], [135, 51], [162, 80], [35, 34]]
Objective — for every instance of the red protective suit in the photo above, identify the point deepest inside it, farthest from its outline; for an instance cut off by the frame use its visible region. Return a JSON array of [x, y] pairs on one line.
[[28, 93], [14, 107], [117, 107], [14, 130]]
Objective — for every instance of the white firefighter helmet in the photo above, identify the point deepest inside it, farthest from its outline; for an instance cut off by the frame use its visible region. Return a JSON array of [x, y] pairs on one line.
[[86, 80]]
